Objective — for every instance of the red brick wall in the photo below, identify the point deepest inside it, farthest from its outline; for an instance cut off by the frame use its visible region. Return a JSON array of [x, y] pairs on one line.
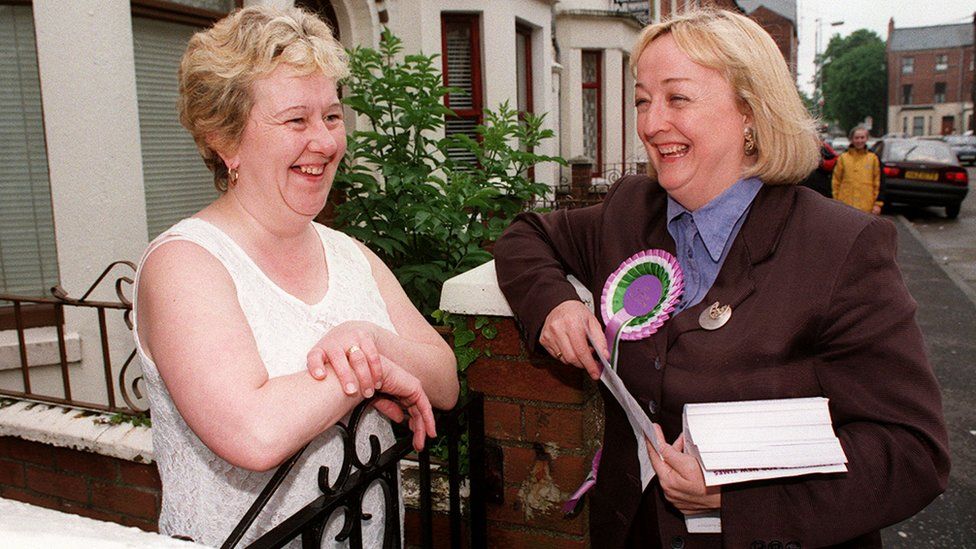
[[111, 489], [79, 482], [547, 419], [958, 77], [783, 32]]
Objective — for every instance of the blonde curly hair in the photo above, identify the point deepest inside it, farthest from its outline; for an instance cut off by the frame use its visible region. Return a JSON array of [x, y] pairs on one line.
[[221, 64], [745, 54]]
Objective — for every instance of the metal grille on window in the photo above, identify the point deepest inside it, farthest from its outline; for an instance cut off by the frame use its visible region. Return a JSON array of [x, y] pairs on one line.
[[461, 74], [177, 182], [459, 67], [466, 126], [28, 257]]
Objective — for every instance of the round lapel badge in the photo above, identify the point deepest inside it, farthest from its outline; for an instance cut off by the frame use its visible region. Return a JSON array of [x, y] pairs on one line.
[[715, 316]]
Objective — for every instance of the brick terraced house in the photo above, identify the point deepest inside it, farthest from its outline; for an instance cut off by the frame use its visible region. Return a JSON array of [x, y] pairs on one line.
[[930, 79]]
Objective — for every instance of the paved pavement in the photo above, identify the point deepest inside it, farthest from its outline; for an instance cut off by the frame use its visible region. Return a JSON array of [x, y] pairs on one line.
[[951, 242], [938, 260]]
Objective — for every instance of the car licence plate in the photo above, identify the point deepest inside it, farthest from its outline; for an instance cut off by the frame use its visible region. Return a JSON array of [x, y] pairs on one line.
[[924, 176]]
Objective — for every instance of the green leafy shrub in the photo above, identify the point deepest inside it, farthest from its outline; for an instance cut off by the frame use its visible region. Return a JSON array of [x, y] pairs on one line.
[[427, 215]]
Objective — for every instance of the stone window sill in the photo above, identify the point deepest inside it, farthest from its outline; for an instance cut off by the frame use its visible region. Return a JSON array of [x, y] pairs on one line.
[[42, 348]]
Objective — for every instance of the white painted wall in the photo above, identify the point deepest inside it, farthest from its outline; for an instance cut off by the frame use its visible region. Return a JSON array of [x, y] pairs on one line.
[[605, 5], [87, 73], [934, 112], [615, 36]]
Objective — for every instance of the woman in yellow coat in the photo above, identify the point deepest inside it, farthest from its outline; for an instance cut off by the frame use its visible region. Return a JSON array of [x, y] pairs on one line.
[[857, 175]]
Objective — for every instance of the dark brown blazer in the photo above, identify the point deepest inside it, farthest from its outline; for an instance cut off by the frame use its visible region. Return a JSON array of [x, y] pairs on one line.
[[819, 308]]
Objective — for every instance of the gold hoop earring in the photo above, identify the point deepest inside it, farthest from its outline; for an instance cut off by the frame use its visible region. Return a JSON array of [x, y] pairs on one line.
[[749, 142], [232, 176]]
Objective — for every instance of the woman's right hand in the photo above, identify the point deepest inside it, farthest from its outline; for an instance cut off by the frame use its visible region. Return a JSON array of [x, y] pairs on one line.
[[564, 335], [402, 390]]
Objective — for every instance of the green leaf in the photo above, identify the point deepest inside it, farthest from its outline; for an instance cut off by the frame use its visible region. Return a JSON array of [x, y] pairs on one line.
[[465, 356], [463, 336]]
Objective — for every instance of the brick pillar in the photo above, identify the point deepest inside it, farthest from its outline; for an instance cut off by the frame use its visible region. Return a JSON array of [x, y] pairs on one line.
[[547, 420], [581, 175]]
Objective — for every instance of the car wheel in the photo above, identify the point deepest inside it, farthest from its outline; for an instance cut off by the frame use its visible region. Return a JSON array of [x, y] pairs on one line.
[[952, 211]]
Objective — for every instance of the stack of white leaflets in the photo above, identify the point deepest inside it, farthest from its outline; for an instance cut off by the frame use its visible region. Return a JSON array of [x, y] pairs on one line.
[[759, 439]]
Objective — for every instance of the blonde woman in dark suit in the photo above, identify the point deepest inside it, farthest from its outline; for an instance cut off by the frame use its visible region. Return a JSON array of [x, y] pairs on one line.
[[816, 303]]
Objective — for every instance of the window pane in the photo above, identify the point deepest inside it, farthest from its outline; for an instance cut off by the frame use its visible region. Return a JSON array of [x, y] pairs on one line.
[[178, 184], [591, 61], [223, 6], [918, 125], [521, 72], [591, 126], [907, 65], [459, 65], [28, 258]]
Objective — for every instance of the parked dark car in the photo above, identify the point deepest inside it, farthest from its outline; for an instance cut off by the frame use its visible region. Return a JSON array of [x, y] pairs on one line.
[[840, 144], [921, 172], [820, 179], [964, 146]]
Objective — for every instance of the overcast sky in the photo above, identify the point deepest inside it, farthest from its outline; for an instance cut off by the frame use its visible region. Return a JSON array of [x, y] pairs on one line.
[[868, 14]]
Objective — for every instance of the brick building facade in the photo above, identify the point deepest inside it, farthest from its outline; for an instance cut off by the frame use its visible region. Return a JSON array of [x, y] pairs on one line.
[[930, 79], [777, 17]]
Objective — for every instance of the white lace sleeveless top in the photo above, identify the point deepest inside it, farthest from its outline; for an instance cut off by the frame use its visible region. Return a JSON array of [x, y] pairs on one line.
[[204, 496]]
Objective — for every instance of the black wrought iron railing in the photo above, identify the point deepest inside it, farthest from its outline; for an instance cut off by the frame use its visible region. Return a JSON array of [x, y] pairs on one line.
[[125, 384], [584, 188], [614, 171], [356, 476]]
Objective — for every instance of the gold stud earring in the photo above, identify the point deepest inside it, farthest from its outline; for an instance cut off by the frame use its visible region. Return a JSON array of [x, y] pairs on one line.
[[232, 176], [749, 142]]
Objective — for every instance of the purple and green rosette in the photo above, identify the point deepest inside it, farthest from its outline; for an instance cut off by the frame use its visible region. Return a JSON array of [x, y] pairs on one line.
[[640, 296]]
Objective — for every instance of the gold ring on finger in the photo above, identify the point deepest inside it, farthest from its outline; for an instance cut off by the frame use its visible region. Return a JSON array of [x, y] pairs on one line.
[[353, 349], [559, 355]]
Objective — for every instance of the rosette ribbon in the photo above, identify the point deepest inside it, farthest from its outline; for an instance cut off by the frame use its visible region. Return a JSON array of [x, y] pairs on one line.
[[637, 299]]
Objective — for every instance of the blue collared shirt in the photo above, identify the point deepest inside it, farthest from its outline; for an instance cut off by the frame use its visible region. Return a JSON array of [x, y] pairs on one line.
[[703, 237]]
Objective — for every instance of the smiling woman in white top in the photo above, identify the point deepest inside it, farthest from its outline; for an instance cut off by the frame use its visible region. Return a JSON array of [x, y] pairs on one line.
[[237, 304]]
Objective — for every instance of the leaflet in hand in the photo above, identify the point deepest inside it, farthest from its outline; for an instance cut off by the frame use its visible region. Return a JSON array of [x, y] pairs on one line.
[[639, 421]]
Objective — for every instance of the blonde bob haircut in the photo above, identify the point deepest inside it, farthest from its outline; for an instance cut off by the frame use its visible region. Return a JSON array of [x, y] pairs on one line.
[[221, 64], [739, 49]]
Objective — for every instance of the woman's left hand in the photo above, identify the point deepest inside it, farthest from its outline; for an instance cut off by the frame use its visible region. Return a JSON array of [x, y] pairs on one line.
[[350, 349], [681, 477]]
